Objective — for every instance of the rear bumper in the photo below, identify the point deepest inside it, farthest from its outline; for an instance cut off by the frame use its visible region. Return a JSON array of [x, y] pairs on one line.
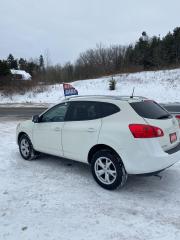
[[174, 150], [152, 173], [146, 156]]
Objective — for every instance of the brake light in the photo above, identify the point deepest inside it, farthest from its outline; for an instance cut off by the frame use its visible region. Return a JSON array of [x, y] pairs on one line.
[[178, 117], [145, 131]]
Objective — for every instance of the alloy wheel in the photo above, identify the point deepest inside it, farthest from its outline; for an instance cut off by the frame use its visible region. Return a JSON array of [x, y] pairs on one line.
[[105, 170], [25, 147]]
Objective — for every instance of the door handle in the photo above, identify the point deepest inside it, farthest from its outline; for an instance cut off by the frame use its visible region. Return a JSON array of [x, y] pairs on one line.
[[57, 129], [91, 130]]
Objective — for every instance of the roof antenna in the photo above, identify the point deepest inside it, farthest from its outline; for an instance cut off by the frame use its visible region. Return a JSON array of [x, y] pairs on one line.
[[132, 93]]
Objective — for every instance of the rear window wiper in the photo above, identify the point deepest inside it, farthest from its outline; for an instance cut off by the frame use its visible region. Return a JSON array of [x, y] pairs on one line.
[[164, 116]]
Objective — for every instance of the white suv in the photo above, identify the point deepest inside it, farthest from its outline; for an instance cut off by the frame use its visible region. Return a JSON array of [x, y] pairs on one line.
[[117, 136]]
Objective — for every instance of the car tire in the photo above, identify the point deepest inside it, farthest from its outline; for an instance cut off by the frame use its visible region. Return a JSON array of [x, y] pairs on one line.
[[26, 148], [108, 170]]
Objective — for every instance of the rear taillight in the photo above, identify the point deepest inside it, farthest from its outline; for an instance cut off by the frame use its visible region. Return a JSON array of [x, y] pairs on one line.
[[178, 118], [145, 131]]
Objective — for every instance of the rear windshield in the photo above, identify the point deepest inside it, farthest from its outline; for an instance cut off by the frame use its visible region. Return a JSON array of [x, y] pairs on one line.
[[150, 109]]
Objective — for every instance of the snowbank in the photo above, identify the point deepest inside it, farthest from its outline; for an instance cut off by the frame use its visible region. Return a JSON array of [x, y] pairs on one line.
[[162, 86]]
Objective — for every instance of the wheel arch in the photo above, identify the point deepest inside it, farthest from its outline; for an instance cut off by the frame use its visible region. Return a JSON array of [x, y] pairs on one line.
[[99, 147], [20, 135]]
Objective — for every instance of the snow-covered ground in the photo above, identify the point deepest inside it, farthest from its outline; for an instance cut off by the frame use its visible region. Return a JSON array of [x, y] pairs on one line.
[[54, 199], [162, 86]]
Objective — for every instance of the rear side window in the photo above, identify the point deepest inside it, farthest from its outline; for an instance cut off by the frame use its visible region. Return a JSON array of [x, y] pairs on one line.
[[82, 111], [108, 109], [150, 109], [90, 110]]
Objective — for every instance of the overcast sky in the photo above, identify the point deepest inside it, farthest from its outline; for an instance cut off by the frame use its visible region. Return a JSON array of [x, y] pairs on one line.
[[68, 27]]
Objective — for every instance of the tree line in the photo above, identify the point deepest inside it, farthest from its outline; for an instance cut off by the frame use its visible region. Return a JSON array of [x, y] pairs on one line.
[[31, 66], [147, 53]]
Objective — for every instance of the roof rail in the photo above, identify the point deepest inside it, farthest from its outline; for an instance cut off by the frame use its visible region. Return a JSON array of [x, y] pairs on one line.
[[106, 96]]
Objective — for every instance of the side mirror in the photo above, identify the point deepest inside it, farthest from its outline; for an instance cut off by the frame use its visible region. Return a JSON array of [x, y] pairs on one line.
[[36, 119]]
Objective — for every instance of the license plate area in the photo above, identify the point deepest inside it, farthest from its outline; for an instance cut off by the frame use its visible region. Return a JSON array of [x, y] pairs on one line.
[[173, 137]]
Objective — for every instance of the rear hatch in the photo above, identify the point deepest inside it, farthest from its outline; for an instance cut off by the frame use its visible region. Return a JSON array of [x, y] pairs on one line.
[[157, 116]]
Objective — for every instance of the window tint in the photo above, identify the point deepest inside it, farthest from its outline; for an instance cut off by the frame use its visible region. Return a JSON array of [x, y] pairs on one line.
[[108, 109], [55, 114], [83, 110], [150, 109], [89, 110]]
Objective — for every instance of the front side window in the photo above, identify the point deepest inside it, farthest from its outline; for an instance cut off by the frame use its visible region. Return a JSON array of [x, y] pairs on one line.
[[55, 114]]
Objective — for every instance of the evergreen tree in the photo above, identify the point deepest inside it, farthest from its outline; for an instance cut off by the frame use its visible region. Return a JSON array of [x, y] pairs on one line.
[[168, 51], [4, 68], [155, 52], [41, 62], [12, 62], [176, 34]]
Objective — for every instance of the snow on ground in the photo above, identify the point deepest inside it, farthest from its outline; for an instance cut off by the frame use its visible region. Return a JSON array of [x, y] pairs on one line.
[[162, 86], [52, 198]]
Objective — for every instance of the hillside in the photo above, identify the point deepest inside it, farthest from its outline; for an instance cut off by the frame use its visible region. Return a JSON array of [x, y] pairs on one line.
[[162, 86]]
